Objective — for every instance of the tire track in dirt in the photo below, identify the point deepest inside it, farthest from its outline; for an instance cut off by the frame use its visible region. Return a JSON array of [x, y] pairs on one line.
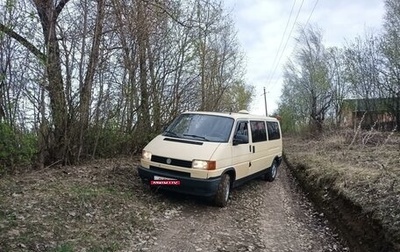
[[260, 216], [290, 222]]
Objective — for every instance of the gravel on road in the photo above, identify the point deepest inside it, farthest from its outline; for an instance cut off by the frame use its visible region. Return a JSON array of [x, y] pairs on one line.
[[260, 216]]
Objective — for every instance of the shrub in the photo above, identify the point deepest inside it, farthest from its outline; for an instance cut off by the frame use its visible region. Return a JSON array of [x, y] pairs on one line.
[[16, 148], [106, 143]]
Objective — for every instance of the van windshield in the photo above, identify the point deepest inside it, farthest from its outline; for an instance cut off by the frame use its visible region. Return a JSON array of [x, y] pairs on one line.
[[201, 127]]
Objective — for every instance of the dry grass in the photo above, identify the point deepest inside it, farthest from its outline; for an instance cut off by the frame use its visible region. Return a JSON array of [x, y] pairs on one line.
[[101, 206], [364, 168]]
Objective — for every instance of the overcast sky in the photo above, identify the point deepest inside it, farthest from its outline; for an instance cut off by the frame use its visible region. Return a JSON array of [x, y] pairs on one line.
[[261, 25]]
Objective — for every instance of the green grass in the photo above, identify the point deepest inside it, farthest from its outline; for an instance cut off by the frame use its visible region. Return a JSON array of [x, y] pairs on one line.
[[65, 247]]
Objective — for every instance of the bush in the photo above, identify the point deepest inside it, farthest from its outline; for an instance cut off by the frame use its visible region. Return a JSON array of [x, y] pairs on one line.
[[106, 143], [16, 148]]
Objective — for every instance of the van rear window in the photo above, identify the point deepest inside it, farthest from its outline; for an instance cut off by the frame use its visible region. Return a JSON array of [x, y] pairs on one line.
[[273, 131]]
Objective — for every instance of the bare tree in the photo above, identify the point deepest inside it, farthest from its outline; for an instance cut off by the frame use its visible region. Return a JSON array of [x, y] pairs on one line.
[[390, 50], [86, 87], [336, 66], [307, 79], [98, 88], [362, 72]]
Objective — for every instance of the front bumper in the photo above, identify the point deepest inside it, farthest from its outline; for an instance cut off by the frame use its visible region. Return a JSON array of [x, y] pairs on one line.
[[191, 186]]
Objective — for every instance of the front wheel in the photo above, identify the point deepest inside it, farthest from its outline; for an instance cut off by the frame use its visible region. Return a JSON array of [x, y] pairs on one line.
[[222, 196], [271, 173]]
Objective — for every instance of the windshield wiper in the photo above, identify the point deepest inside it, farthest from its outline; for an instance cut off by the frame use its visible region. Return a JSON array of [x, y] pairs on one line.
[[170, 133], [196, 136]]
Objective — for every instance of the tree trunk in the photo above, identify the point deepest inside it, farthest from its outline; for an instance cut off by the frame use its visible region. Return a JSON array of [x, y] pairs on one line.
[[397, 126], [143, 124], [48, 14], [86, 92]]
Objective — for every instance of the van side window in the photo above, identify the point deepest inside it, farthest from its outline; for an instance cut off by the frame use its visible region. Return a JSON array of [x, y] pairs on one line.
[[273, 131], [258, 131], [242, 133]]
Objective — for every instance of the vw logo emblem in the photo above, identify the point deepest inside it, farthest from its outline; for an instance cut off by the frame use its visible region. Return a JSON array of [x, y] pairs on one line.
[[169, 161]]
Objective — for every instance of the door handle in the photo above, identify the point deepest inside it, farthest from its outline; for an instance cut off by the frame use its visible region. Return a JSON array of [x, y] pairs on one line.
[[254, 149], [249, 148]]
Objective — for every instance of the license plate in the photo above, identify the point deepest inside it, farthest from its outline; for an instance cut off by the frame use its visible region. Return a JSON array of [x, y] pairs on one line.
[[161, 181], [162, 178]]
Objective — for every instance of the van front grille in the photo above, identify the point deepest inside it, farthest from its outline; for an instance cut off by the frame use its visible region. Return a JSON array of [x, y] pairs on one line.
[[166, 172], [171, 161]]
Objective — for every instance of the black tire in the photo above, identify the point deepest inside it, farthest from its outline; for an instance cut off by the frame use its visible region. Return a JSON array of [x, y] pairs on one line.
[[224, 187], [271, 173]]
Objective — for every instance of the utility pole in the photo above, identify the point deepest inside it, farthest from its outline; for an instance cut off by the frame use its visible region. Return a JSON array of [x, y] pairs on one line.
[[265, 101]]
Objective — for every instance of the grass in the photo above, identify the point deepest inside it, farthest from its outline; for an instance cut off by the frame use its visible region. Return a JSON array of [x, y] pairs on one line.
[[100, 206], [65, 247], [363, 169]]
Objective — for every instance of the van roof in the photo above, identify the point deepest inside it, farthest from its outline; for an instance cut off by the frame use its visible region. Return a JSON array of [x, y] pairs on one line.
[[241, 115]]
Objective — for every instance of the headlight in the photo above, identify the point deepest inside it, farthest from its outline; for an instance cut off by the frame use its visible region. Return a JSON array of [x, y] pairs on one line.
[[204, 165], [146, 155]]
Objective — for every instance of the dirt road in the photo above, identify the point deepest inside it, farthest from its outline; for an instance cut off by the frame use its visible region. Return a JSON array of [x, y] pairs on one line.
[[260, 216]]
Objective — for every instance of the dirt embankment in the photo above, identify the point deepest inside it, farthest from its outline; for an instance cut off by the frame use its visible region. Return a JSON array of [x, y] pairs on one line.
[[355, 180], [103, 206]]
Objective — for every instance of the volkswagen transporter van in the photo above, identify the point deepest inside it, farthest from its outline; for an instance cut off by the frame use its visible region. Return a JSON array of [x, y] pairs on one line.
[[208, 154]]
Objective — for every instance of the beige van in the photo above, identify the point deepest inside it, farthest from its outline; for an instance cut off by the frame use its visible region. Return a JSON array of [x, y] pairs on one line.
[[208, 153]]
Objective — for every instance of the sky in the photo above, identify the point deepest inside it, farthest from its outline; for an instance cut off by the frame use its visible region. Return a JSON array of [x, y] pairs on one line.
[[260, 26]]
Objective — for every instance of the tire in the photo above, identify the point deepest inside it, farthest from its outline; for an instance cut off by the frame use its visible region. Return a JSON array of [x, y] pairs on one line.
[[224, 187], [271, 173]]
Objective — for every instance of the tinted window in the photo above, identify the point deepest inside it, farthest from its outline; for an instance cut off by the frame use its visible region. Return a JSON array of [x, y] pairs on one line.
[[242, 134], [258, 131], [273, 131]]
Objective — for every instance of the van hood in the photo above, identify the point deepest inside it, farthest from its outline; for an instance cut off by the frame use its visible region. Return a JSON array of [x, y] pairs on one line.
[[181, 148]]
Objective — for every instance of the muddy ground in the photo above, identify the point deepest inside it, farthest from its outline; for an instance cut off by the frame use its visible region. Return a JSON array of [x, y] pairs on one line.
[[261, 216], [103, 206]]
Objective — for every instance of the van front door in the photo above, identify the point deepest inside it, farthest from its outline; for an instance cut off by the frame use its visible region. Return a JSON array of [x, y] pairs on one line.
[[241, 151]]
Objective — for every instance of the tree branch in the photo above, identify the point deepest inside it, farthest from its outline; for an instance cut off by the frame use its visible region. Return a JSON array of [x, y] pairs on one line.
[[23, 41], [166, 11], [60, 6]]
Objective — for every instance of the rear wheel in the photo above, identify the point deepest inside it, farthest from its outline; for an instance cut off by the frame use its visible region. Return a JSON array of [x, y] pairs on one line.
[[271, 173], [224, 187]]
